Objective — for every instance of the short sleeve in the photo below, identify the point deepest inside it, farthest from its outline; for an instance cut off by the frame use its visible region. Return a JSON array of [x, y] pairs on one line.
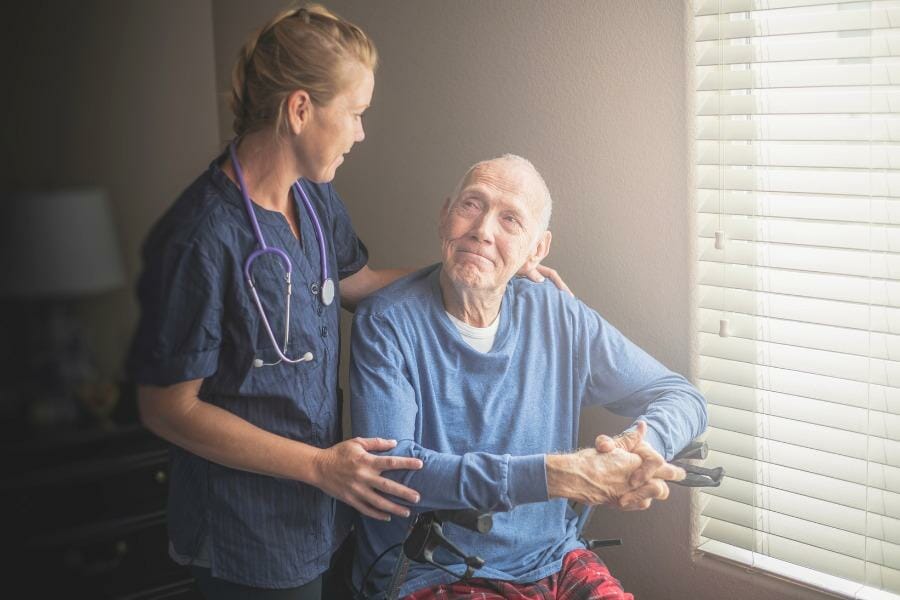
[[352, 255], [179, 332]]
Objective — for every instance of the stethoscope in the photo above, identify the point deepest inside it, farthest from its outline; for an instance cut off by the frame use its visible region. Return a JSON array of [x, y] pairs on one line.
[[326, 294]]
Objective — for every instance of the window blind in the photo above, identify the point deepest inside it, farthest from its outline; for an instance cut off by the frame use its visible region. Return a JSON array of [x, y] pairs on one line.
[[798, 193]]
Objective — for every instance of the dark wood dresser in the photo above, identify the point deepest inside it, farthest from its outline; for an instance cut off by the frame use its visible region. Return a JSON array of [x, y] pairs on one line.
[[84, 514]]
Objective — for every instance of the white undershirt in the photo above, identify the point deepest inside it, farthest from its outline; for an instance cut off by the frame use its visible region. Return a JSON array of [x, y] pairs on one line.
[[480, 338]]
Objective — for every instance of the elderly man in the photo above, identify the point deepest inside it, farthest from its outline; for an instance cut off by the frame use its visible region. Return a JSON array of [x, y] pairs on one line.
[[483, 375]]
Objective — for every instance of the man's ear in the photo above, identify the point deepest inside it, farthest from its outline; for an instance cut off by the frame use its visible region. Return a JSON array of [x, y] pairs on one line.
[[299, 110], [445, 211], [540, 252]]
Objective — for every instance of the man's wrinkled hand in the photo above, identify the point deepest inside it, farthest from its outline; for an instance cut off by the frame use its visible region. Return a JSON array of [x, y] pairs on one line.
[[593, 478], [653, 465]]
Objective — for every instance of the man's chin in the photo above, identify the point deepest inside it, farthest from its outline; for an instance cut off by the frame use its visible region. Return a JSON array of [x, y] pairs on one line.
[[468, 276]]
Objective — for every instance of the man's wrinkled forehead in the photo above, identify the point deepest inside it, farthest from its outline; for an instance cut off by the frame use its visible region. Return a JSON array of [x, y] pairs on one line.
[[509, 181]]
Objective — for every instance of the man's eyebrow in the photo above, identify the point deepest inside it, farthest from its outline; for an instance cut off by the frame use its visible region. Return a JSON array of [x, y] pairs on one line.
[[474, 190]]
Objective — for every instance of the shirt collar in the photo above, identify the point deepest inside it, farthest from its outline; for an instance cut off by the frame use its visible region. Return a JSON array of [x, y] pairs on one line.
[[231, 193]]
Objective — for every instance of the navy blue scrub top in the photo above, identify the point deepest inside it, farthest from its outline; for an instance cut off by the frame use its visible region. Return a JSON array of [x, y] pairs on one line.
[[198, 320]]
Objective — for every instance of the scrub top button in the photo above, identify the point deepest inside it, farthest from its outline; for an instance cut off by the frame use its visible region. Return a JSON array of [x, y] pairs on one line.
[[324, 331], [314, 288]]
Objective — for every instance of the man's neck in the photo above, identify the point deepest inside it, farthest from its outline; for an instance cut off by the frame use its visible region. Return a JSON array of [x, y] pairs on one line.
[[478, 308], [268, 171]]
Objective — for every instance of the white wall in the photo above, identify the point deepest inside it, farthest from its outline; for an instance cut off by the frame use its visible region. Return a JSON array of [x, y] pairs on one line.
[[596, 95]]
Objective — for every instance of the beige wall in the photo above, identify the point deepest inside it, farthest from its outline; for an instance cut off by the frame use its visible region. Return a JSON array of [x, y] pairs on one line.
[[119, 94], [596, 95]]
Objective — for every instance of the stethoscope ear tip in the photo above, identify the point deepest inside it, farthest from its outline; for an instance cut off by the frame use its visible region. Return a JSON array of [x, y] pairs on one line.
[[257, 362]]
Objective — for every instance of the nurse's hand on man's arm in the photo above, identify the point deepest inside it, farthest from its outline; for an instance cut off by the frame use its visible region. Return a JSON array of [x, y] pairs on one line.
[[349, 472]]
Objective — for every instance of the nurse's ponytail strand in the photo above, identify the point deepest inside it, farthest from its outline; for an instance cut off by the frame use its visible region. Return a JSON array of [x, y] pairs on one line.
[[308, 48]]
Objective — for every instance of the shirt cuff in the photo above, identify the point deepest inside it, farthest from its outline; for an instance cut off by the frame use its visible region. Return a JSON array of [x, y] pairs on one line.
[[658, 443], [527, 479]]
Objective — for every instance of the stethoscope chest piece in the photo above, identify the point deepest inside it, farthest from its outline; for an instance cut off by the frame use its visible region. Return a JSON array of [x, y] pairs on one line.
[[327, 292]]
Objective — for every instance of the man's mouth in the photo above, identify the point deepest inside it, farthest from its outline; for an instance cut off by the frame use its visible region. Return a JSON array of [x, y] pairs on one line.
[[475, 253]]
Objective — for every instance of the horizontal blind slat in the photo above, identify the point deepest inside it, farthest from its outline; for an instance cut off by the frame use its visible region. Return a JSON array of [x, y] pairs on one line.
[[829, 286], [851, 315], [810, 47], [849, 209], [834, 155], [713, 7], [823, 101], [788, 550], [789, 22], [803, 258], [798, 408], [859, 128], [798, 75], [809, 435], [805, 530], [747, 476], [803, 360], [856, 342], [797, 383], [812, 460], [845, 182], [823, 234]]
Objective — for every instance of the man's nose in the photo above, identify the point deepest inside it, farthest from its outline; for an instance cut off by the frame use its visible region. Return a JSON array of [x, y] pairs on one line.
[[483, 228]]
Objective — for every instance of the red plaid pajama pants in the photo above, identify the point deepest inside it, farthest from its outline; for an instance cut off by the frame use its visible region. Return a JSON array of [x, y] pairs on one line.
[[583, 576]]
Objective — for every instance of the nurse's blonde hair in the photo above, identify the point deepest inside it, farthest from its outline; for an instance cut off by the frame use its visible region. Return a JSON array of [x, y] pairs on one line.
[[308, 48]]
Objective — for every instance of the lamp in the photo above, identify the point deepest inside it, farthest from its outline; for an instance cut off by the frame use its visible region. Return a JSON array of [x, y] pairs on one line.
[[55, 248]]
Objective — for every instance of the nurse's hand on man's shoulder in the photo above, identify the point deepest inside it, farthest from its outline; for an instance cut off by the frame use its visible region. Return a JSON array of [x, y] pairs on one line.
[[541, 272], [349, 472]]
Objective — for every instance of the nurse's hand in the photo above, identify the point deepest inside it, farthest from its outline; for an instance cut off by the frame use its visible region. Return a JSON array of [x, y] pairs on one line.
[[540, 272], [348, 472]]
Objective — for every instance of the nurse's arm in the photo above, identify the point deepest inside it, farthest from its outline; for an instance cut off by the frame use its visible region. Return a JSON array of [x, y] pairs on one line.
[[364, 282], [347, 471]]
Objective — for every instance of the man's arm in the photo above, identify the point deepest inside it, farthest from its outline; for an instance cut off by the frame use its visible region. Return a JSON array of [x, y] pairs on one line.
[[629, 382], [384, 404]]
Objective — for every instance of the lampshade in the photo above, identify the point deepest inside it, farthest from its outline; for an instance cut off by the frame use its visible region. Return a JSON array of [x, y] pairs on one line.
[[58, 243]]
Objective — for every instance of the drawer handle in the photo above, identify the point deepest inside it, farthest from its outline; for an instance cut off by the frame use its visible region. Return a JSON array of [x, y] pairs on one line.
[[77, 560], [160, 476]]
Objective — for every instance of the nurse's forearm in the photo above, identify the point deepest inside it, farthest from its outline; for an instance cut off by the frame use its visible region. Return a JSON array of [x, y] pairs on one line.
[[176, 414], [366, 281]]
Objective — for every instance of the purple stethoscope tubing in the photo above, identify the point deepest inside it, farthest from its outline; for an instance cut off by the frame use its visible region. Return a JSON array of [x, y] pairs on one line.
[[327, 288]]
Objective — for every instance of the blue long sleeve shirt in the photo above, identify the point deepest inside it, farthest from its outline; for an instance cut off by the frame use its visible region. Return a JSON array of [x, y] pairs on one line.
[[482, 423]]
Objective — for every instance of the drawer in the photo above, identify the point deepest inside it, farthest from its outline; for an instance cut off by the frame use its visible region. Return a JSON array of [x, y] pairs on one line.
[[88, 492], [110, 559]]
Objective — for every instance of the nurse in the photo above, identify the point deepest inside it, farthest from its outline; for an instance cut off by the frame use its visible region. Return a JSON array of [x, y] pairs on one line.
[[246, 391]]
